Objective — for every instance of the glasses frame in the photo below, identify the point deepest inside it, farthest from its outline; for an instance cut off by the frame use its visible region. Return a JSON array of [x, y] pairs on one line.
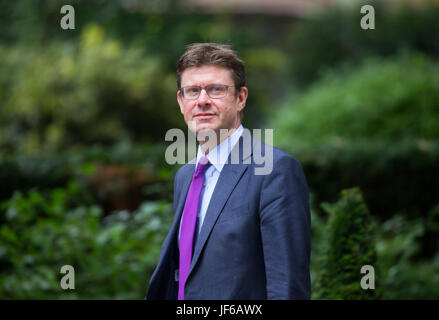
[[204, 87]]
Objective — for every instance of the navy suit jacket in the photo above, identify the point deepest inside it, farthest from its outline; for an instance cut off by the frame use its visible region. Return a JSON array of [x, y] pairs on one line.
[[255, 239]]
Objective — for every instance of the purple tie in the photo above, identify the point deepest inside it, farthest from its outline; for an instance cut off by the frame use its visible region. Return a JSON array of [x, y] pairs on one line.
[[188, 222]]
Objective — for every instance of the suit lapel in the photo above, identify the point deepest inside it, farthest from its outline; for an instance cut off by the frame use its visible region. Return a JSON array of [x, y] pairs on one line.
[[229, 177]]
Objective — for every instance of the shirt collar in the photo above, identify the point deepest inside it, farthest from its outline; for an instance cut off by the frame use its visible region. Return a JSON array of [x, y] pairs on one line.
[[218, 156]]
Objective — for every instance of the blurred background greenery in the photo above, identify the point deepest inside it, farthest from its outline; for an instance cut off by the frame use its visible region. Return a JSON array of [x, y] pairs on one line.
[[83, 114]]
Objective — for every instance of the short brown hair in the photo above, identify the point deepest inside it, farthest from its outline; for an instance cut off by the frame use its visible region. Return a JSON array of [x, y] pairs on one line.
[[200, 54]]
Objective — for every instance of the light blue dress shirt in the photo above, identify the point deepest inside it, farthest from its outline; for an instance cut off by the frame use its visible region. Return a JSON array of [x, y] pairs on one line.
[[218, 158]]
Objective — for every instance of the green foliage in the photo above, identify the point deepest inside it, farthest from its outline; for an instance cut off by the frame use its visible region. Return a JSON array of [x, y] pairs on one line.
[[350, 239], [385, 101], [400, 270], [334, 37], [113, 256], [376, 127], [47, 171], [96, 91], [404, 274], [392, 177], [318, 239], [155, 29]]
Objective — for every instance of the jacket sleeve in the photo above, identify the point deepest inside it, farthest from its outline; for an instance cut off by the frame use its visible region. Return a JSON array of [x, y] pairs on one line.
[[285, 224]]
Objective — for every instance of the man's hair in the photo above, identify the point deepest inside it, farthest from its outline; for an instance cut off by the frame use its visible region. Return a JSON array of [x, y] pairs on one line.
[[201, 54]]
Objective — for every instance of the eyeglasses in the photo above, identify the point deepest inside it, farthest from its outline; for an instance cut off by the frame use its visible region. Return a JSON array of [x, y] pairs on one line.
[[214, 91]]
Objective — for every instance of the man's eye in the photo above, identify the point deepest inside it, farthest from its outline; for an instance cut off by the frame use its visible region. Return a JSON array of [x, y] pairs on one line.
[[216, 89], [191, 91]]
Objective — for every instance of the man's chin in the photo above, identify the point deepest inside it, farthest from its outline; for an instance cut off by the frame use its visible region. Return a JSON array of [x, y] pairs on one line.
[[203, 128], [207, 135], [197, 126], [205, 131]]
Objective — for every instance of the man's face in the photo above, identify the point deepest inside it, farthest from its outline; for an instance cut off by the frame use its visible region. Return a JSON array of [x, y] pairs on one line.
[[208, 113]]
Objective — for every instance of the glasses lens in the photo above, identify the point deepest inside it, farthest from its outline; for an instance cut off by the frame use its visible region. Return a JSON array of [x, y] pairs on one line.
[[216, 91], [191, 92]]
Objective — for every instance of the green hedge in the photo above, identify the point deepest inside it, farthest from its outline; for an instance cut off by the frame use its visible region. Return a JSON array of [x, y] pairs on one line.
[[404, 274], [113, 256], [350, 238], [380, 101], [333, 36], [376, 127], [94, 91], [45, 171]]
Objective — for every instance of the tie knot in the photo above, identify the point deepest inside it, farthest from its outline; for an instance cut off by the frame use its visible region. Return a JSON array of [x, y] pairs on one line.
[[203, 163]]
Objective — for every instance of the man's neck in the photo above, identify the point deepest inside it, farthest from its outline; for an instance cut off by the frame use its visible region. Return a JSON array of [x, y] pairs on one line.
[[221, 135]]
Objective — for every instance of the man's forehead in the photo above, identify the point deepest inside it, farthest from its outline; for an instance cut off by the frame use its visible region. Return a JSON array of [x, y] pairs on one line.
[[206, 74]]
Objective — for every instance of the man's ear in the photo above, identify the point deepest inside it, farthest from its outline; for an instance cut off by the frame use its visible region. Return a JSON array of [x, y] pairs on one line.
[[242, 98], [180, 102]]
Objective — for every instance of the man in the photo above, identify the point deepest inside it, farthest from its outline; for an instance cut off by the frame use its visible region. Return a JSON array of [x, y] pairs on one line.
[[236, 234]]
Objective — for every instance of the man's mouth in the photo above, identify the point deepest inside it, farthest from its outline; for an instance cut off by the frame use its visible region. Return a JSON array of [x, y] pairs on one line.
[[204, 115]]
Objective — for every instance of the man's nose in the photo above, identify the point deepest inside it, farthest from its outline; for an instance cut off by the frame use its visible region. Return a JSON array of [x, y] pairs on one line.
[[204, 97]]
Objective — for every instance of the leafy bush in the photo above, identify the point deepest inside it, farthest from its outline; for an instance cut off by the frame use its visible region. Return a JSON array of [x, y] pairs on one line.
[[403, 274], [400, 270], [386, 101], [333, 37], [376, 127], [96, 91], [350, 239], [141, 172], [113, 256]]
